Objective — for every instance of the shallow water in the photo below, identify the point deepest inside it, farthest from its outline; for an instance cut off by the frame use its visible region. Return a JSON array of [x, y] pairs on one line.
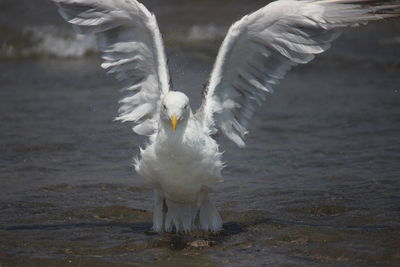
[[318, 183]]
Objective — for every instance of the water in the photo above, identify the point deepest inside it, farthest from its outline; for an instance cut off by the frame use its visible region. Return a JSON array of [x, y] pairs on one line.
[[318, 183]]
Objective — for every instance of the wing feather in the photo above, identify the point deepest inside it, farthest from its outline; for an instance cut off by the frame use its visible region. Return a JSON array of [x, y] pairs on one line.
[[132, 49], [262, 47]]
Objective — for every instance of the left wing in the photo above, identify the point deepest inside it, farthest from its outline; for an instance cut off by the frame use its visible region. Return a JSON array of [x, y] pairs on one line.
[[262, 47], [129, 38]]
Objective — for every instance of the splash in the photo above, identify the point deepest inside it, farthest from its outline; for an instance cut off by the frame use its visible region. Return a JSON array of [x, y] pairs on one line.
[[51, 41], [195, 34], [47, 41], [205, 33], [61, 44]]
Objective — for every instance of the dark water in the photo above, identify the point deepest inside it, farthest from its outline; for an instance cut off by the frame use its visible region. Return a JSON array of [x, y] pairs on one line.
[[318, 183]]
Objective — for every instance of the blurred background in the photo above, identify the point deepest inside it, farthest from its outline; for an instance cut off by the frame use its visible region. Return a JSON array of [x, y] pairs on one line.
[[318, 183]]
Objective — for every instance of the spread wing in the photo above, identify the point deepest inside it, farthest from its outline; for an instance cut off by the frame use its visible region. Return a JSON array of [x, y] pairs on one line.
[[262, 47], [130, 41]]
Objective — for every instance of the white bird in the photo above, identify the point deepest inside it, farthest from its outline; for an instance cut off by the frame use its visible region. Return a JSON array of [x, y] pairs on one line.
[[182, 160]]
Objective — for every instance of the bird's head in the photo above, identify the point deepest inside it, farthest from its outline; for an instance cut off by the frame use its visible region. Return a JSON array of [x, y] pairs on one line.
[[175, 109]]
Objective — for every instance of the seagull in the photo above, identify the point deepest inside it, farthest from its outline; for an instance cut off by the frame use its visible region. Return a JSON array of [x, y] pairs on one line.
[[182, 160]]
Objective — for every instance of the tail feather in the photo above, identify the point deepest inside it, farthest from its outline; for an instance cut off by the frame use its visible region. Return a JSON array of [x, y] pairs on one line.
[[180, 215], [173, 216], [209, 218]]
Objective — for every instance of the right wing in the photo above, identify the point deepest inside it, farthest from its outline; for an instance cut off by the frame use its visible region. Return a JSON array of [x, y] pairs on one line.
[[263, 46], [131, 44]]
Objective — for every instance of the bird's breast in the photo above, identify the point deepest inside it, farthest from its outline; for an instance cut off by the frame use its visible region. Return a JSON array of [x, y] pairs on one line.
[[181, 169]]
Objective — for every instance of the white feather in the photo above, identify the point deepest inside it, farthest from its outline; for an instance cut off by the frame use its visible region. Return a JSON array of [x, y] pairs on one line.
[[261, 47], [128, 35]]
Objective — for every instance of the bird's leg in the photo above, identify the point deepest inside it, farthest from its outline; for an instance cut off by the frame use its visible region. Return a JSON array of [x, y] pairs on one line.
[[164, 214], [201, 237], [158, 212]]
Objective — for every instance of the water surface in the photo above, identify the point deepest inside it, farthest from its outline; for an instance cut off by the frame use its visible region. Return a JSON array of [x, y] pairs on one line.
[[318, 183]]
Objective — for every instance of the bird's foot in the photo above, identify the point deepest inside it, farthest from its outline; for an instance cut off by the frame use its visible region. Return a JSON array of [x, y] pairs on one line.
[[200, 243]]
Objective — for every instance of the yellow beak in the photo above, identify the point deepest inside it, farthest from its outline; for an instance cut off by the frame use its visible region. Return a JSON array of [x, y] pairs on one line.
[[174, 121]]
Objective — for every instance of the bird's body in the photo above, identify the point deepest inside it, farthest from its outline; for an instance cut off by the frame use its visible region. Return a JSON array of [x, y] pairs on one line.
[[183, 166], [190, 153], [182, 161]]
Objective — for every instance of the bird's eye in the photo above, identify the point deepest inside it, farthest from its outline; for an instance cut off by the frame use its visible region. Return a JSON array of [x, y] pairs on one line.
[[185, 107], [164, 107]]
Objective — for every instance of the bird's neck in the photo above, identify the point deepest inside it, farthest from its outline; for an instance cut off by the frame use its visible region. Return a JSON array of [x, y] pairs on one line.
[[179, 144], [167, 135]]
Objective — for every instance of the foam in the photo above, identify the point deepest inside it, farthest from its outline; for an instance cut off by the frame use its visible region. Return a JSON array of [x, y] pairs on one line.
[[48, 41]]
